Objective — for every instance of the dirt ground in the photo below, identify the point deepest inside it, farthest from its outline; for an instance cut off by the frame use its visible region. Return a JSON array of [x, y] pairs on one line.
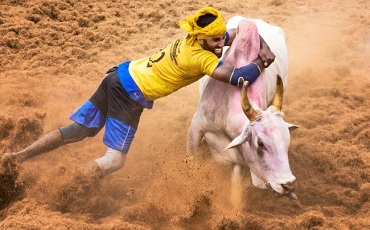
[[53, 55]]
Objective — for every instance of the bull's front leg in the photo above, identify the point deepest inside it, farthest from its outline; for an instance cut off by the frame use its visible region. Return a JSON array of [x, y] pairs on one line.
[[236, 186], [195, 135]]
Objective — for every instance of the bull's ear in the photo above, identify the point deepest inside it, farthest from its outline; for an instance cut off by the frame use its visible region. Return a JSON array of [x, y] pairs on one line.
[[243, 137], [237, 141], [291, 127]]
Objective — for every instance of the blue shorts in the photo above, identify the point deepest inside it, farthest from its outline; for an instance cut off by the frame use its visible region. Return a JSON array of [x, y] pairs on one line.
[[111, 106]]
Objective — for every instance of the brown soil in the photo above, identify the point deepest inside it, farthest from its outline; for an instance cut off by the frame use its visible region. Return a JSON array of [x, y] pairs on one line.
[[53, 55]]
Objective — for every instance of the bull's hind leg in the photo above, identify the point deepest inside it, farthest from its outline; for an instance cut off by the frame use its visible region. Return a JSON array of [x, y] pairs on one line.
[[195, 135]]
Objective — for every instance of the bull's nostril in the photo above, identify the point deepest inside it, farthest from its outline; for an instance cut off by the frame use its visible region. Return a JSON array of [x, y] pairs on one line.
[[290, 186]]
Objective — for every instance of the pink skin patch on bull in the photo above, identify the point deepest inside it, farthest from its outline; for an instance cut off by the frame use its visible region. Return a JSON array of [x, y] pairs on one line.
[[255, 93], [268, 130], [247, 38], [254, 96]]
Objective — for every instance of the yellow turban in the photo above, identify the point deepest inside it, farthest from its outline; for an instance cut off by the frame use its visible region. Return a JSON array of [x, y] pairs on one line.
[[216, 27]]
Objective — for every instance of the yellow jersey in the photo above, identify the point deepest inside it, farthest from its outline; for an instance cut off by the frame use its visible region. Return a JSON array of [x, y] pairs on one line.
[[172, 68]]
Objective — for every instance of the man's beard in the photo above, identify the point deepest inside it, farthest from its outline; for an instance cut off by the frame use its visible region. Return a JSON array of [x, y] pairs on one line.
[[217, 50]]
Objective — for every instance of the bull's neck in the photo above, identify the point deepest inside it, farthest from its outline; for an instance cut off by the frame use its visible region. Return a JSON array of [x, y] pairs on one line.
[[257, 94]]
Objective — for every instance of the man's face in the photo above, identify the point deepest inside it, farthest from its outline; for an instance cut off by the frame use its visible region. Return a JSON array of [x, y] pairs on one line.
[[214, 44]]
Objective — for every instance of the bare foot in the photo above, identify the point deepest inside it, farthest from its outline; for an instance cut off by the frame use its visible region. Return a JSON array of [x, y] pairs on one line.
[[10, 189], [8, 161]]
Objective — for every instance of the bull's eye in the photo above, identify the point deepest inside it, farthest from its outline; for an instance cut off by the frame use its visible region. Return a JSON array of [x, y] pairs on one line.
[[261, 148], [260, 144]]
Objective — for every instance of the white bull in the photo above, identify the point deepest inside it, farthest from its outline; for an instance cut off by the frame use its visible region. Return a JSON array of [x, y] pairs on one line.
[[254, 134]]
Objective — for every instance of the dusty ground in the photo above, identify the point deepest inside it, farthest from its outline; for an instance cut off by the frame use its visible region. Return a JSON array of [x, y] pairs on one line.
[[53, 55]]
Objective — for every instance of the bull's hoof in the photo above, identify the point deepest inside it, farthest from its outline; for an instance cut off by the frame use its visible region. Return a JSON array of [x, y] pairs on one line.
[[292, 196]]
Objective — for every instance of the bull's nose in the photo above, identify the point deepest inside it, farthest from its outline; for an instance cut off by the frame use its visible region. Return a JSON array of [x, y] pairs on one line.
[[290, 186]]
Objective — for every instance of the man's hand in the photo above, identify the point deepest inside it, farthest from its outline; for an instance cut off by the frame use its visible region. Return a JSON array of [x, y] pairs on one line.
[[266, 55]]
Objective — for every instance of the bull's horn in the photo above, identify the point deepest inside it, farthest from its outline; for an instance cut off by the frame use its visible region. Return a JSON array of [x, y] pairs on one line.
[[246, 105], [279, 93]]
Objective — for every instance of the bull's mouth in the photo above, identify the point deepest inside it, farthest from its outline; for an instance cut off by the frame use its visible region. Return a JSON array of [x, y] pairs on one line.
[[287, 193], [285, 189]]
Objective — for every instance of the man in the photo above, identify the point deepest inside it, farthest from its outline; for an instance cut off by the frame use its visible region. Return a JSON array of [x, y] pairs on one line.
[[132, 86]]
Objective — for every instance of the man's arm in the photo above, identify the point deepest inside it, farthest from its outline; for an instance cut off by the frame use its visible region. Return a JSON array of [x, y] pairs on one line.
[[232, 35], [236, 76]]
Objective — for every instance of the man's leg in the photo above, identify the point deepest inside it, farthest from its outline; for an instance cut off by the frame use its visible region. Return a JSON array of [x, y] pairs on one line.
[[112, 161], [122, 118], [54, 139], [50, 141]]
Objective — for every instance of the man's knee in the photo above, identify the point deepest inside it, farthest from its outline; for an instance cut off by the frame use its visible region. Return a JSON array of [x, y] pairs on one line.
[[76, 132]]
